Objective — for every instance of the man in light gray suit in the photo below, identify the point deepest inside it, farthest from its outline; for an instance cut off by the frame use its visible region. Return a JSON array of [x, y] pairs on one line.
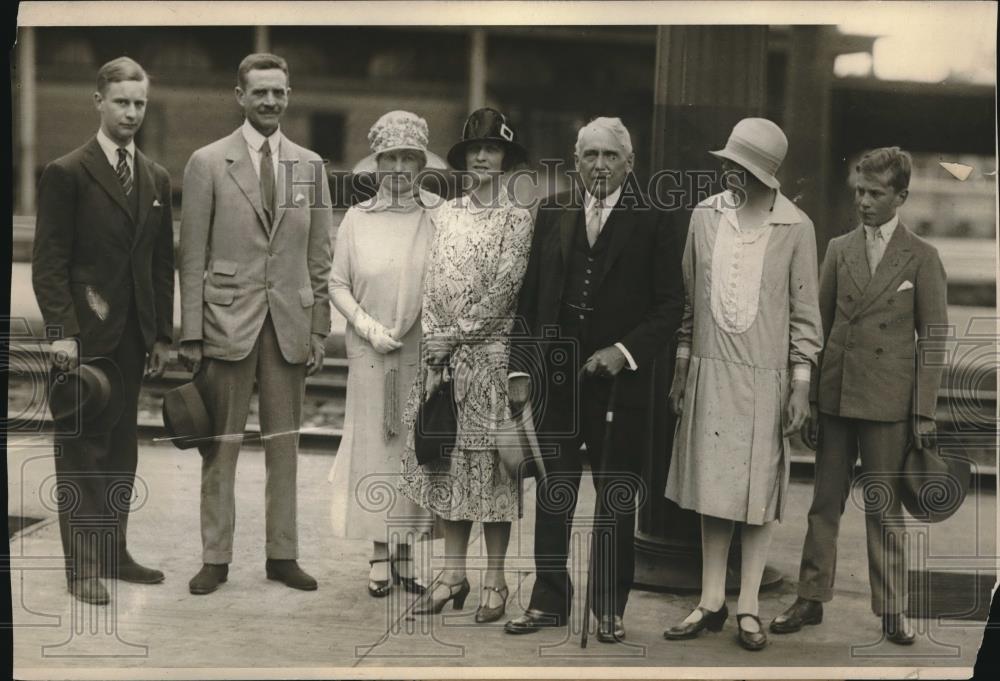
[[884, 298], [254, 261]]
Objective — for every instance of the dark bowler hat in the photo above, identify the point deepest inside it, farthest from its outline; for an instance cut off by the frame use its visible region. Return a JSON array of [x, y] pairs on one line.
[[933, 486], [487, 125], [88, 398], [185, 418]]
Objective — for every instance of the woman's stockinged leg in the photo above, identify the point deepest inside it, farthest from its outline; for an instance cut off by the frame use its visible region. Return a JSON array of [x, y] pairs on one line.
[[456, 546], [756, 541], [716, 536], [497, 537]]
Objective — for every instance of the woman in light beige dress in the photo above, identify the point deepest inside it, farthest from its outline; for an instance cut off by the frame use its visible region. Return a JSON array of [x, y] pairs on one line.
[[748, 339], [376, 282]]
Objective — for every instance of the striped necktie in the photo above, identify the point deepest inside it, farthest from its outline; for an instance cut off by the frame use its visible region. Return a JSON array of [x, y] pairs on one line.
[[123, 171]]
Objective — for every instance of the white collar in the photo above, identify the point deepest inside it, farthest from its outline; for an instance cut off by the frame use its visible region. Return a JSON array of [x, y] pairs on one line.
[[255, 139], [783, 212], [110, 148], [887, 228], [608, 202]]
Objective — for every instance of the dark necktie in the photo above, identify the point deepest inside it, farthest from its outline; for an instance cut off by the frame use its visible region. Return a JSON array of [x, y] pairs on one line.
[[267, 180], [123, 172]]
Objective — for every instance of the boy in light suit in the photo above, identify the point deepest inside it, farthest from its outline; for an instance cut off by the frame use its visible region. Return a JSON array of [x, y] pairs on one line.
[[882, 292]]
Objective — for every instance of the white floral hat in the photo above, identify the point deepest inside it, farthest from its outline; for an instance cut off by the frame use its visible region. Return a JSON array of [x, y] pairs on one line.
[[398, 130]]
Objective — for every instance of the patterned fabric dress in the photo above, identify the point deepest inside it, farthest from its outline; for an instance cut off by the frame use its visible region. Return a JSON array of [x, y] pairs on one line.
[[477, 262]]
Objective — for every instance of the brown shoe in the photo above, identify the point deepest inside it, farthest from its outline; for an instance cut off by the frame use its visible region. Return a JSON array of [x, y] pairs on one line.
[[897, 629], [208, 578], [802, 612], [290, 574], [89, 590]]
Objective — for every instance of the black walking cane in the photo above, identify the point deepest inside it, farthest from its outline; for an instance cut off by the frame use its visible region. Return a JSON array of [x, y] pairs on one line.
[[608, 421]]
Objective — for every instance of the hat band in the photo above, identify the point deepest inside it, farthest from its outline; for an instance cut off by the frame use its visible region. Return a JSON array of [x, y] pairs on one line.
[[754, 154]]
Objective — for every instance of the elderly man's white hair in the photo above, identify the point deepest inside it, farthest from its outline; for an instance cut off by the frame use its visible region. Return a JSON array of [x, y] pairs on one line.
[[611, 125]]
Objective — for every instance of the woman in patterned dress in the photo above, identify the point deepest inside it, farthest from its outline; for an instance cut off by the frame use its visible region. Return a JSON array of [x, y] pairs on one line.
[[748, 339], [478, 258], [376, 282]]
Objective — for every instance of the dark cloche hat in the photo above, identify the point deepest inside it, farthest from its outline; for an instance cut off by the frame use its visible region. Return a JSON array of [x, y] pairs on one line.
[[487, 125]]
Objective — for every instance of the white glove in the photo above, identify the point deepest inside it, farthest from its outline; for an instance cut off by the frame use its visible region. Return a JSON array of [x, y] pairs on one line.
[[375, 333]]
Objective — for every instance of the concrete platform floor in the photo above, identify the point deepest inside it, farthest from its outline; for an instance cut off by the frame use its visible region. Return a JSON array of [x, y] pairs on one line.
[[266, 629]]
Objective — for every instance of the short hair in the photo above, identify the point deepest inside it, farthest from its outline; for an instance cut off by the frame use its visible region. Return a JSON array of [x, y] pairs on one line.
[[892, 160], [611, 125], [118, 70], [259, 61]]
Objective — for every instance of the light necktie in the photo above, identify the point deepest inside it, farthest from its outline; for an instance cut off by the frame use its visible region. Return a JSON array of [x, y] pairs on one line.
[[594, 222], [123, 171], [267, 180], [876, 248]]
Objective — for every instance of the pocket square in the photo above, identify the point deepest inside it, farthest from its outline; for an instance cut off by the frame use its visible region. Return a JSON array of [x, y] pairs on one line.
[[905, 285], [156, 203], [299, 198]]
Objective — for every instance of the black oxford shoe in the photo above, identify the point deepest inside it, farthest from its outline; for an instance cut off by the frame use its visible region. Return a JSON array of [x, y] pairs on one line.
[[802, 612], [897, 629], [89, 590], [290, 574], [208, 578], [611, 629], [532, 620]]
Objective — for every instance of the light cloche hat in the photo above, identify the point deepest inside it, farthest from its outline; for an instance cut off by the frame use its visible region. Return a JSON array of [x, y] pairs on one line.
[[398, 130], [758, 145]]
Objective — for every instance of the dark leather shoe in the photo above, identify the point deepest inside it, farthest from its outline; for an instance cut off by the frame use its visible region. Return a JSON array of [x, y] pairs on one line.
[[89, 590], [486, 614], [131, 571], [290, 574], [610, 629], [713, 620], [208, 578], [751, 640], [802, 612], [532, 620], [897, 629]]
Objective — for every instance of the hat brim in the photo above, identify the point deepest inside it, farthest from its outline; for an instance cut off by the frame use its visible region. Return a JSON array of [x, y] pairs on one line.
[[185, 417], [91, 412], [456, 155], [752, 168], [369, 164]]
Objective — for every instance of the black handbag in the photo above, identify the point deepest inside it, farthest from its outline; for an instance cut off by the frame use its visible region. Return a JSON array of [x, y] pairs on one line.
[[436, 428]]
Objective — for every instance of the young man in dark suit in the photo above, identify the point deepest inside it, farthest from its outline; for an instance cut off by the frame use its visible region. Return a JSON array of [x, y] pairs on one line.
[[103, 275], [882, 293], [608, 277]]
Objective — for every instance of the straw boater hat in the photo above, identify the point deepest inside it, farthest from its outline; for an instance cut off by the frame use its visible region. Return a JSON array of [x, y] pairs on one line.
[[758, 145], [394, 131]]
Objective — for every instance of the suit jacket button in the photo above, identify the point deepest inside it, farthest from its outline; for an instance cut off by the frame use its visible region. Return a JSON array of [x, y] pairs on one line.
[[890, 301], [850, 298], [878, 351], [882, 325], [854, 321]]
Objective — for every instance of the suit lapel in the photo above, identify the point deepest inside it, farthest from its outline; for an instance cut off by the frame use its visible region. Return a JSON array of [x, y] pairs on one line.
[[97, 165], [897, 253], [567, 228], [857, 259], [621, 228], [285, 153], [147, 192], [241, 169]]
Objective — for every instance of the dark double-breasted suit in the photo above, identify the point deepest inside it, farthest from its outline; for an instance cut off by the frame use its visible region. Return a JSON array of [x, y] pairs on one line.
[[577, 299], [103, 272], [878, 369]]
